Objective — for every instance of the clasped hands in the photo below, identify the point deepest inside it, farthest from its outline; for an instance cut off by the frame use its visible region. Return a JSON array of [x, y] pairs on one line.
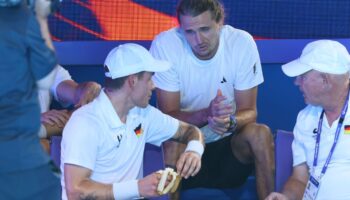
[[219, 112]]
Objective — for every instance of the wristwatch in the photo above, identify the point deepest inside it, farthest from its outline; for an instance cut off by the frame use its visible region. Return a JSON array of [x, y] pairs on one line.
[[233, 123]]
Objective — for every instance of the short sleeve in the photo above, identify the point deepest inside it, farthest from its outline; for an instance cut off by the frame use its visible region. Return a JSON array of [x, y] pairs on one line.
[[161, 127], [249, 73], [168, 80], [80, 142], [61, 75], [298, 150]]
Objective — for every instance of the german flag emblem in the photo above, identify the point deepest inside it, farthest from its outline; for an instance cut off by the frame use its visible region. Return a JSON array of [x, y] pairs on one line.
[[138, 130], [347, 129]]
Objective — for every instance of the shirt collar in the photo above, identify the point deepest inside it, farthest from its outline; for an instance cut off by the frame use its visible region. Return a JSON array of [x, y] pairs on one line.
[[110, 114]]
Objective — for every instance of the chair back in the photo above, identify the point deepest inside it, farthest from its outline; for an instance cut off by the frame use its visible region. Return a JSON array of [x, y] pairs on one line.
[[283, 158]]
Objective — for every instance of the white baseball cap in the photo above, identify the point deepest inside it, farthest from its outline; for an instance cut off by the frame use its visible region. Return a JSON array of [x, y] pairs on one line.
[[325, 56], [130, 58]]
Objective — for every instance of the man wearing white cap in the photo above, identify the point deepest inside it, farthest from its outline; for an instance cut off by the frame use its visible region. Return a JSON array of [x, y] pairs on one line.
[[103, 142], [321, 156]]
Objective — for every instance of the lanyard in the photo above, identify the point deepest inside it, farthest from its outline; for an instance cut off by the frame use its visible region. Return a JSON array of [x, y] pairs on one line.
[[336, 137]]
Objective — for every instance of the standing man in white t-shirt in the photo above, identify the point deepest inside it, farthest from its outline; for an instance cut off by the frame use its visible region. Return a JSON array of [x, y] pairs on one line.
[[321, 156], [67, 92], [213, 84], [103, 142]]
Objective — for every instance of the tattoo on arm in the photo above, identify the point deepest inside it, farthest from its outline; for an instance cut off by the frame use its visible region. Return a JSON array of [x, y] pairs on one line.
[[185, 133]]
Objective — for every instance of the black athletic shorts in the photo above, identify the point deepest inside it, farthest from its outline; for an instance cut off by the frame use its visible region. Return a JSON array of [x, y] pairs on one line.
[[220, 168]]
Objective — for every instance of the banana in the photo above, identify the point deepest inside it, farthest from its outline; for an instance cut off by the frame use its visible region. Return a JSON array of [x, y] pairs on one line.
[[173, 184]]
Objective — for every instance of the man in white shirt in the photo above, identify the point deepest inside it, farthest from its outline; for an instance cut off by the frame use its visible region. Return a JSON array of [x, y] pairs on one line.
[[103, 142], [213, 84], [321, 156]]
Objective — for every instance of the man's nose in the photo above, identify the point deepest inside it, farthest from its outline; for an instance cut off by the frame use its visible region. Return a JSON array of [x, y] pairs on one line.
[[198, 38]]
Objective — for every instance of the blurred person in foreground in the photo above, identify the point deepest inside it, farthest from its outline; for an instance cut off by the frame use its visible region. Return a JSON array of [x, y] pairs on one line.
[[27, 64]]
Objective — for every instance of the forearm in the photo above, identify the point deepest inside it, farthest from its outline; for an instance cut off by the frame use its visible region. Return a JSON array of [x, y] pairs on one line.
[[198, 118], [88, 189], [294, 189], [244, 117], [52, 130], [187, 133]]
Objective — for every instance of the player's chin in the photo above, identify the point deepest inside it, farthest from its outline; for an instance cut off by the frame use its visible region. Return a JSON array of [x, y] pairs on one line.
[[144, 104]]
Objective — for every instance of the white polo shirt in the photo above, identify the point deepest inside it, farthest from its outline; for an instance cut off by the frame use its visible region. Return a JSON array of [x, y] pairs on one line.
[[95, 138], [335, 183]]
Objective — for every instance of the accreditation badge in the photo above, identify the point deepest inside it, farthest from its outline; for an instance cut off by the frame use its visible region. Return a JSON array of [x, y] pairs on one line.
[[311, 190]]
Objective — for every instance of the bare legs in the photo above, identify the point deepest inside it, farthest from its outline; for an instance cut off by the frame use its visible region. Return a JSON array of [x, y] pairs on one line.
[[254, 144]]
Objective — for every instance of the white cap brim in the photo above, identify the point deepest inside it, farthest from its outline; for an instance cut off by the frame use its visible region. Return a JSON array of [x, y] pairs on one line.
[[158, 66], [295, 68]]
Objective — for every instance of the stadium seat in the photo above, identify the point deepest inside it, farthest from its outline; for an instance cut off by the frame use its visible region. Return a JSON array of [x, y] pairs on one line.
[[283, 158]]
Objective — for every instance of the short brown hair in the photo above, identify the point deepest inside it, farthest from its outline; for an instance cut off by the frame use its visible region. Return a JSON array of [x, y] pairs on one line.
[[196, 7]]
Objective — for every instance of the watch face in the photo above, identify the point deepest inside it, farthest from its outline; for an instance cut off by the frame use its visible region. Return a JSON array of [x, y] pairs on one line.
[[233, 122]]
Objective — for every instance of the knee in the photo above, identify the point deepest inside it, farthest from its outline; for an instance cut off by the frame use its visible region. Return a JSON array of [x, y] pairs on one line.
[[259, 136]]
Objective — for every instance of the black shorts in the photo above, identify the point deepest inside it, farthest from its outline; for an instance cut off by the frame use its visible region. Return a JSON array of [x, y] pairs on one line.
[[220, 168]]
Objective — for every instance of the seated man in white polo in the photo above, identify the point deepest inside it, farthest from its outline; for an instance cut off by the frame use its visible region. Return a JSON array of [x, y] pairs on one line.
[[321, 155], [103, 142]]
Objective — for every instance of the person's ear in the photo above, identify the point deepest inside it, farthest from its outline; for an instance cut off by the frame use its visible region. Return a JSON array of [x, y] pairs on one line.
[[326, 80], [132, 80]]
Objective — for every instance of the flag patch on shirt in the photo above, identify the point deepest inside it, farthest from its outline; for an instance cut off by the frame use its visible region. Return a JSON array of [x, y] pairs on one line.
[[347, 129], [138, 130]]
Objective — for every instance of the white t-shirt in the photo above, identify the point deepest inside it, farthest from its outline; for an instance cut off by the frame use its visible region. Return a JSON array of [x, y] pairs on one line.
[[95, 138], [45, 96], [335, 183], [236, 65]]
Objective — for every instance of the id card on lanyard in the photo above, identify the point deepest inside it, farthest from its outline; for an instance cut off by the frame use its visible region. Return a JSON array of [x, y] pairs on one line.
[[311, 189], [313, 185]]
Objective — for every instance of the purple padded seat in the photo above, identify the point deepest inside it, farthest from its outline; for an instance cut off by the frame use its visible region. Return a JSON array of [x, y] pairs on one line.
[[283, 158]]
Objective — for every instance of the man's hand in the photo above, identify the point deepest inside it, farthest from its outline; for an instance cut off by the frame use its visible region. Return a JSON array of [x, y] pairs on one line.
[[219, 114], [148, 185], [55, 117], [188, 164], [86, 92], [219, 125], [276, 196]]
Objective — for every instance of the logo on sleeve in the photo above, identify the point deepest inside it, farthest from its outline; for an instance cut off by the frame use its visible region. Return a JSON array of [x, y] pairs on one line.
[[347, 129], [138, 130], [223, 80]]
